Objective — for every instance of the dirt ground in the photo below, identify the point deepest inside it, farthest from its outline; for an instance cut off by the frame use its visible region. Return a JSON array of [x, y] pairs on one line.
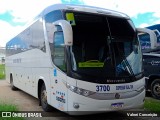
[[24, 101]]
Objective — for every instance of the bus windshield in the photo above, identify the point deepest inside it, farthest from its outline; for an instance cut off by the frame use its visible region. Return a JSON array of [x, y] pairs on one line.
[[103, 46]]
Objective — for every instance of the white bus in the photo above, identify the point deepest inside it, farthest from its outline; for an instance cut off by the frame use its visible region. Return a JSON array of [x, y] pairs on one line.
[[151, 58], [78, 58]]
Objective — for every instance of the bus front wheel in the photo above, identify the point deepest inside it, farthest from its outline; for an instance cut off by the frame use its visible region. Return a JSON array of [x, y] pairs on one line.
[[155, 88], [43, 99], [12, 84]]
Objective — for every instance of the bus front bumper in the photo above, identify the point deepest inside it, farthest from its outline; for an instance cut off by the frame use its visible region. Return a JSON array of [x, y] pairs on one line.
[[80, 105]]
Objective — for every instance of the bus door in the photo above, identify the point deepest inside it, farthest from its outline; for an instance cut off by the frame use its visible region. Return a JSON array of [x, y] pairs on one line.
[[59, 77]]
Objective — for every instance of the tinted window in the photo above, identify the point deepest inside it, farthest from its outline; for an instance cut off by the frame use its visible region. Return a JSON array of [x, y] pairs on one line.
[[30, 38], [59, 50], [38, 40], [49, 19], [53, 16], [121, 28]]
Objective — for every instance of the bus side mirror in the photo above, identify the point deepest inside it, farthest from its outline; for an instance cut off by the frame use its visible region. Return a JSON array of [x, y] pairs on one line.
[[67, 31], [152, 35]]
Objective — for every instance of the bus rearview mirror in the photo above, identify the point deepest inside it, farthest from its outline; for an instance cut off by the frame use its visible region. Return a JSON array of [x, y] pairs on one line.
[[67, 31], [152, 35]]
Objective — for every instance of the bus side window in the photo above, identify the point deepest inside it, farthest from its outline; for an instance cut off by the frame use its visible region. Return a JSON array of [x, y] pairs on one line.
[[59, 49]]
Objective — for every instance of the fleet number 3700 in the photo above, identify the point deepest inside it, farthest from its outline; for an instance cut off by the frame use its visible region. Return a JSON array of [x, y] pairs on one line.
[[101, 88]]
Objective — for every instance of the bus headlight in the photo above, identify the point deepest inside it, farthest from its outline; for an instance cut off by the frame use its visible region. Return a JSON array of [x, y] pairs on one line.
[[141, 89], [79, 91]]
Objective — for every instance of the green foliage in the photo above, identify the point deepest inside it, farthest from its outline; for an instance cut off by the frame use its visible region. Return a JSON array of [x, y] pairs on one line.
[[152, 105], [8, 108], [2, 71]]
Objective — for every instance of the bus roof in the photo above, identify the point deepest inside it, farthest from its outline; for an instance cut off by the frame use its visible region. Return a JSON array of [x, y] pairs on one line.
[[82, 8]]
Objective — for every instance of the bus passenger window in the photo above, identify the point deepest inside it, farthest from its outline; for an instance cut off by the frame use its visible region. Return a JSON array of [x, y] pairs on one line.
[[59, 51]]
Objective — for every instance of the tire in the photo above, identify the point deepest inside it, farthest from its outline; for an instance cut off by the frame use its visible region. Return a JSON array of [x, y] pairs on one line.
[[12, 84], [155, 88], [43, 99]]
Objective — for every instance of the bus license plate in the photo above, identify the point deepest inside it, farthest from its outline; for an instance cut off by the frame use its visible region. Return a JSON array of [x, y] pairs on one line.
[[117, 105]]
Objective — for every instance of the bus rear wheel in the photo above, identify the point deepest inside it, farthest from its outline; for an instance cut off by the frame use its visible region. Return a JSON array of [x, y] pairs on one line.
[[12, 84], [155, 88], [43, 99]]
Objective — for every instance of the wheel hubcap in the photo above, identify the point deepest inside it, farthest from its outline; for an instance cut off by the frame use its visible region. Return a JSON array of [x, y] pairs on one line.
[[157, 89]]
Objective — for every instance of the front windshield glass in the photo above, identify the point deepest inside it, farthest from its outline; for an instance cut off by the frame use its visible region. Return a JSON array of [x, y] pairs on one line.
[[125, 47], [127, 60], [103, 46]]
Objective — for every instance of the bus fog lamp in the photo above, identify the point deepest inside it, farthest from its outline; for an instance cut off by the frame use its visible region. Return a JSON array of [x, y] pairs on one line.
[[85, 93], [76, 105]]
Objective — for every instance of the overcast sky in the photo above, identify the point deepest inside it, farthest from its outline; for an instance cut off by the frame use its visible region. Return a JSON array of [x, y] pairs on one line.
[[15, 13]]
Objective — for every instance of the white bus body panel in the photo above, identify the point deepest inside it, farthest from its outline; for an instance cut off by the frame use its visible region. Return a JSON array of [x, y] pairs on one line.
[[27, 68], [95, 105], [59, 92]]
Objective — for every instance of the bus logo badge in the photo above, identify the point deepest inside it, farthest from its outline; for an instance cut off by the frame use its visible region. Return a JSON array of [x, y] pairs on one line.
[[117, 95]]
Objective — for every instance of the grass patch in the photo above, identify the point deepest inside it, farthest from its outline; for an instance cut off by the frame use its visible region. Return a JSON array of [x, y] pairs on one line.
[[152, 105], [2, 71], [9, 107]]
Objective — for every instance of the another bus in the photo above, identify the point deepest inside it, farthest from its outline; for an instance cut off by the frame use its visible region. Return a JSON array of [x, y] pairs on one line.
[[78, 59], [151, 59]]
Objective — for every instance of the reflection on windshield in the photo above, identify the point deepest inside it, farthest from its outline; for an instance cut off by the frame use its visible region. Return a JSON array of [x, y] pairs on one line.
[[129, 58], [130, 64], [136, 66]]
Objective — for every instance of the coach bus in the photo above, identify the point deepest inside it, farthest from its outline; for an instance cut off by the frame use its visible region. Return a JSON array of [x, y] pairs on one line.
[[151, 59], [78, 58]]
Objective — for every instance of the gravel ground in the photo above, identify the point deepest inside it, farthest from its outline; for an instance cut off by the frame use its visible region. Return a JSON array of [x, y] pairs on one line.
[[24, 101]]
